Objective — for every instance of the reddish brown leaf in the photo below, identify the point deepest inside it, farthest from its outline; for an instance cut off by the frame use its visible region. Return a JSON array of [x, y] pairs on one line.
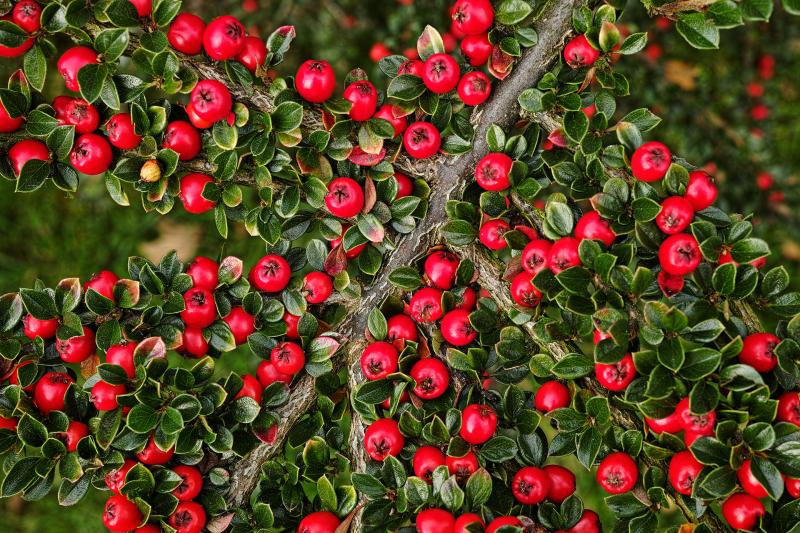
[[361, 158]]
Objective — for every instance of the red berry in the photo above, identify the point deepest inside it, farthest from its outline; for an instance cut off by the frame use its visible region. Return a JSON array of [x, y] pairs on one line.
[[191, 483], [23, 151], [758, 351], [748, 481], [530, 485], [426, 460], [590, 110], [27, 15], [183, 138], [462, 467], [363, 97], [82, 115], [151, 454], [465, 299], [143, 7], [440, 269], [764, 181], [270, 274], [201, 310], [792, 486], [7, 123], [352, 253], [204, 273], [194, 343], [186, 33], [104, 395], [267, 374], [121, 133], [617, 473], [441, 73], [345, 198], [478, 423], [650, 161], [564, 254], [580, 53], [702, 424], [378, 360], [288, 358], [76, 349], [675, 216], [477, 49], [401, 327], [679, 254], [435, 521], [253, 54], [562, 483], [471, 17], [789, 408], [467, 523], [497, 523], [319, 522], [422, 140], [383, 438], [115, 478], [74, 433], [431, 377], [594, 227], [251, 388], [378, 51], [191, 193], [188, 517], [701, 190], [616, 376], [317, 287], [492, 172], [315, 81], [242, 324], [551, 395], [523, 292], [491, 233], [589, 523], [195, 119], [414, 67], [33, 327], [103, 283], [474, 88], [534, 256], [122, 355], [683, 470], [742, 511], [223, 38], [211, 100], [457, 329], [72, 61], [670, 285], [399, 123], [120, 514], [669, 424], [426, 305]]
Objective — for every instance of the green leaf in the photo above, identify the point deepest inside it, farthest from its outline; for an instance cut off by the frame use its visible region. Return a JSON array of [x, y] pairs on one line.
[[35, 67], [111, 43], [406, 87], [91, 78], [20, 476], [376, 323], [643, 119], [633, 44], [698, 30], [576, 124], [498, 449], [757, 9], [791, 6], [573, 366], [768, 475], [511, 12], [33, 175]]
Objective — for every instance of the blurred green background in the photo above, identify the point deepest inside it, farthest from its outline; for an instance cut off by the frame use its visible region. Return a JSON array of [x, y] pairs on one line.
[[702, 97]]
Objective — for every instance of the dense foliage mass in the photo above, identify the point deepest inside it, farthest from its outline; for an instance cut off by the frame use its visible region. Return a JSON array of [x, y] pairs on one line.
[[475, 284]]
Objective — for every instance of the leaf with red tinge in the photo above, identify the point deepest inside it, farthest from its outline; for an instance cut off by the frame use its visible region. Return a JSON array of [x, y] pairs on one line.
[[354, 75], [220, 523], [230, 270], [513, 268], [370, 195], [429, 43], [328, 120], [336, 261], [151, 348], [126, 293], [361, 158], [500, 63], [68, 294], [371, 228], [369, 142], [89, 366], [322, 348]]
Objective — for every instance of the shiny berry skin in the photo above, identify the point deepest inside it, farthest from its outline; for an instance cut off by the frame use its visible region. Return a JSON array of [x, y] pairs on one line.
[[48, 394], [352, 253], [253, 54], [271, 274], [211, 100], [562, 483], [121, 133], [426, 305], [462, 467], [288, 358], [491, 234], [115, 478], [675, 216], [251, 388], [120, 514], [580, 53], [191, 483], [563, 254], [82, 115], [186, 34], [465, 520], [650, 161], [478, 423], [702, 424], [151, 454], [188, 517], [345, 198], [474, 88], [426, 460], [523, 292], [242, 324], [431, 376], [103, 283], [422, 140], [616, 376], [76, 349], [122, 355], [670, 285], [23, 151], [530, 485], [401, 327], [440, 269], [589, 523], [267, 374], [441, 73], [27, 15], [434, 521], [701, 191], [683, 470], [33, 327], [378, 51], [789, 407], [617, 473], [72, 61], [758, 351], [378, 360], [748, 481], [456, 328], [383, 438], [104, 395], [679, 254], [399, 124], [191, 193], [792, 486], [143, 7], [551, 395], [477, 49], [594, 227], [669, 424], [497, 523], [535, 256], [742, 511], [204, 273], [201, 310], [223, 38], [183, 138], [7, 123], [317, 287], [74, 433], [492, 172], [315, 81], [471, 17], [319, 522], [466, 299], [414, 67], [194, 343], [364, 99]]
